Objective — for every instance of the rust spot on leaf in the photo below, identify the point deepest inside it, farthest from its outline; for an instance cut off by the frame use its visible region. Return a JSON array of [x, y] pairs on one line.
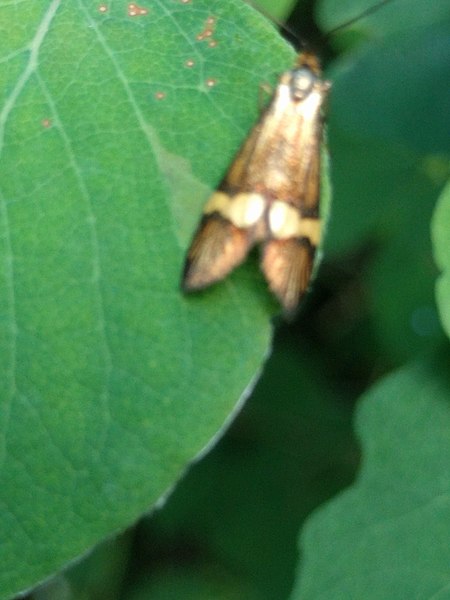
[[136, 11], [208, 32]]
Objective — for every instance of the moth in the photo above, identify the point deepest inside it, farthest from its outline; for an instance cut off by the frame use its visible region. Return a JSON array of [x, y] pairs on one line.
[[270, 194]]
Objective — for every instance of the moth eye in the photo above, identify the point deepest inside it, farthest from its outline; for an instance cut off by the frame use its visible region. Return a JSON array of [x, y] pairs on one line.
[[302, 83]]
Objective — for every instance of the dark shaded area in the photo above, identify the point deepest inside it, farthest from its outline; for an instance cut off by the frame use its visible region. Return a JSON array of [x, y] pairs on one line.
[[302, 30]]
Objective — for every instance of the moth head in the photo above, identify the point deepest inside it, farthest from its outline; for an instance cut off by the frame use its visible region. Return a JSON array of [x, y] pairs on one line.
[[302, 82]]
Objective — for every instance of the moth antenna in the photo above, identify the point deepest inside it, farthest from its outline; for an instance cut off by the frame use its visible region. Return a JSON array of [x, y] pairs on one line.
[[307, 28], [287, 31], [370, 10]]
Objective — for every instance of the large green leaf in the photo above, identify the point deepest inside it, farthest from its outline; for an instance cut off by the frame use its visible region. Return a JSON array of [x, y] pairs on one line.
[[113, 129], [441, 239], [387, 537]]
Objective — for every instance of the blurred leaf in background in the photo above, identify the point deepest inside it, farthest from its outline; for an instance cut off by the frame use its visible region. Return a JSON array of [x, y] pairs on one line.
[[387, 537]]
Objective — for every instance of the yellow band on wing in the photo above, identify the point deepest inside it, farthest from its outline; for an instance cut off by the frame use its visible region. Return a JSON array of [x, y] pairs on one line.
[[286, 221], [243, 210]]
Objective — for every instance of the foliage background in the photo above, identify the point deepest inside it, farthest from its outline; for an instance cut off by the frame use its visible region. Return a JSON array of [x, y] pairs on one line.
[[106, 410]]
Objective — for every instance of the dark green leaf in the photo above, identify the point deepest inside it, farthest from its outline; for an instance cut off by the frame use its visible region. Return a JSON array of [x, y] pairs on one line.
[[387, 537], [383, 123], [400, 91], [382, 17]]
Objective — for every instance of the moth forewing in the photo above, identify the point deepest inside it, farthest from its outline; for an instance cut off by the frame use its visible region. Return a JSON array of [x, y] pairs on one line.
[[218, 246], [270, 194]]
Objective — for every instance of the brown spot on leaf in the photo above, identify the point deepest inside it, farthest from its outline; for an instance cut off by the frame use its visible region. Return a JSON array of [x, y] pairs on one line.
[[136, 11], [208, 32]]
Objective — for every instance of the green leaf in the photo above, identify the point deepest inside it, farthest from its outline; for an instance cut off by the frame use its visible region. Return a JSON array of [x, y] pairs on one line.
[[110, 142], [278, 10], [387, 537], [441, 238], [389, 159], [400, 90], [372, 19]]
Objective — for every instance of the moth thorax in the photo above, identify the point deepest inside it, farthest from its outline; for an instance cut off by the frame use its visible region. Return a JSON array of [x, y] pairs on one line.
[[302, 83]]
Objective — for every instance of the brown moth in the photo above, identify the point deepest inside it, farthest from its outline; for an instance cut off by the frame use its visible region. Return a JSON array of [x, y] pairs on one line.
[[270, 194]]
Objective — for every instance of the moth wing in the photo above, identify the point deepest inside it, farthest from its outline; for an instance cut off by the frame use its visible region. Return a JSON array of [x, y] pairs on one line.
[[287, 266], [217, 248], [270, 194]]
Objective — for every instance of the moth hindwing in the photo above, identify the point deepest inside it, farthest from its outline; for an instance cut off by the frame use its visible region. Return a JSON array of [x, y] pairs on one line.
[[270, 194]]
